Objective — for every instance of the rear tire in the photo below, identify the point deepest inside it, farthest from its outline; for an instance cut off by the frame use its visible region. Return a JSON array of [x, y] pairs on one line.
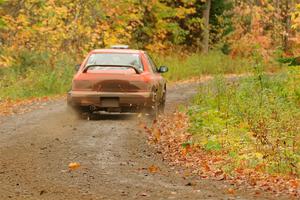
[[162, 104], [154, 112]]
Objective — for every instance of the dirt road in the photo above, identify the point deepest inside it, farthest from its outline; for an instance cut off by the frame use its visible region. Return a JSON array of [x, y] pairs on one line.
[[36, 148]]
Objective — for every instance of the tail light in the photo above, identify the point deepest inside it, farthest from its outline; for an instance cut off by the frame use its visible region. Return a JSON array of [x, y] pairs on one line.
[[82, 85]]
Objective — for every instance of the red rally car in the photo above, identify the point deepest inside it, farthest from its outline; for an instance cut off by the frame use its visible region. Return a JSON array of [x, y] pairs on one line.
[[118, 80]]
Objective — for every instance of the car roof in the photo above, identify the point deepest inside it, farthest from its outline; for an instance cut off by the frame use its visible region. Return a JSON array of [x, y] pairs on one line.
[[117, 51]]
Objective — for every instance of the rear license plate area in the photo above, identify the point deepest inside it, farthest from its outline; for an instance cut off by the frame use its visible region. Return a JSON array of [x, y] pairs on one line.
[[109, 102]]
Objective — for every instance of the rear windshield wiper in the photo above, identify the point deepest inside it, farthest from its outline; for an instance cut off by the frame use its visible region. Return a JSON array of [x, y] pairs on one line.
[[138, 71]]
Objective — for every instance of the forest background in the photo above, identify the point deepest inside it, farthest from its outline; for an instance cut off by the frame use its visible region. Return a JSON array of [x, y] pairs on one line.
[[41, 41], [246, 126]]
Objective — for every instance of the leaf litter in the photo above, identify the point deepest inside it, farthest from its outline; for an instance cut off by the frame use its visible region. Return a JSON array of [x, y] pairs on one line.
[[169, 134], [21, 106]]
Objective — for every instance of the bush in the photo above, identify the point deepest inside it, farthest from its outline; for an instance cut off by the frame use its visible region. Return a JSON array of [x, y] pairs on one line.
[[195, 65], [255, 120], [35, 74]]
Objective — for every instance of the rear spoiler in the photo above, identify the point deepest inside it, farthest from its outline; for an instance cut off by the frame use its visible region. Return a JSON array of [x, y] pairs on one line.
[[129, 66]]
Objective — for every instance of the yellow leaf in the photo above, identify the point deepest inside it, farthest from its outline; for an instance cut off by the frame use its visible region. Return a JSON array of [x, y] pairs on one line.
[[74, 165], [153, 169]]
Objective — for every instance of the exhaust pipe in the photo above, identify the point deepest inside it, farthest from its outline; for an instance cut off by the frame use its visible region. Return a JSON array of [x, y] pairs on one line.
[[92, 108]]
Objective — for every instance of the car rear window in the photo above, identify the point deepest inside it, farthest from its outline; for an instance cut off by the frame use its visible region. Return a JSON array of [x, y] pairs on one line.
[[114, 59]]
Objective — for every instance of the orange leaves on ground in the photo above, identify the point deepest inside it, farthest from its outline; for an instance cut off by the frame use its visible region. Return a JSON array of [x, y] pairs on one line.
[[171, 137], [156, 134], [231, 191], [187, 149], [294, 183], [9, 107], [153, 169]]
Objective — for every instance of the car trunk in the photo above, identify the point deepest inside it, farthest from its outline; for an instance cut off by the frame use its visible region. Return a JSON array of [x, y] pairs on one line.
[[112, 81]]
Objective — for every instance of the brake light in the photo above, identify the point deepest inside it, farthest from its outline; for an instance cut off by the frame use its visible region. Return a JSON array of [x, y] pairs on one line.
[[82, 85]]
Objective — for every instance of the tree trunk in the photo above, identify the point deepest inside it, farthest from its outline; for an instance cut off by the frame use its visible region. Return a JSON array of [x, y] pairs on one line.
[[287, 24], [205, 37]]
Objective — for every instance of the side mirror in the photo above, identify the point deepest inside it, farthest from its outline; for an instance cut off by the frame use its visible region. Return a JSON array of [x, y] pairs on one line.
[[163, 69], [77, 67]]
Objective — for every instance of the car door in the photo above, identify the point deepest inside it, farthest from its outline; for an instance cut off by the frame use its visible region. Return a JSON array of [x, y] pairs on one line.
[[159, 80]]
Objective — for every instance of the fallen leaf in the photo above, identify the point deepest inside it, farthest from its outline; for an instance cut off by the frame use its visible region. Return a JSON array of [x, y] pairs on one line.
[[74, 165], [156, 133], [206, 167], [184, 151], [221, 177], [231, 191], [294, 183], [190, 184], [144, 194], [153, 169]]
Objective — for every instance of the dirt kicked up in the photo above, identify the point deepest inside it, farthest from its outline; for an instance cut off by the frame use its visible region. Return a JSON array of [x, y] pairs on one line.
[[113, 158]]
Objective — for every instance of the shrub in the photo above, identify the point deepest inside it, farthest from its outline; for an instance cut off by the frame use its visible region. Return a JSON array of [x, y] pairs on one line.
[[195, 65], [36, 74], [255, 120]]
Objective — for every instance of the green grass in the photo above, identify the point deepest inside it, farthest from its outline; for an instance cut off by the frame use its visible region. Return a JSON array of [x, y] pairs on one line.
[[36, 75], [255, 120], [195, 65]]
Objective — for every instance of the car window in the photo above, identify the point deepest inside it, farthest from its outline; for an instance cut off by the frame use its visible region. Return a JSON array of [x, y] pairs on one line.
[[152, 64], [114, 59]]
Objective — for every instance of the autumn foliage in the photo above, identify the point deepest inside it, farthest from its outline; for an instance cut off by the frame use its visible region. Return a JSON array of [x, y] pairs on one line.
[[246, 131], [79, 26], [76, 27]]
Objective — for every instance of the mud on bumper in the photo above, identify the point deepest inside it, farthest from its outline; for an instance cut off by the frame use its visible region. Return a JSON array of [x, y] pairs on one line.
[[120, 101]]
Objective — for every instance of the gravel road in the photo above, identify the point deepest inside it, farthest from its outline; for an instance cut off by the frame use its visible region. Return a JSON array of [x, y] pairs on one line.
[[37, 147]]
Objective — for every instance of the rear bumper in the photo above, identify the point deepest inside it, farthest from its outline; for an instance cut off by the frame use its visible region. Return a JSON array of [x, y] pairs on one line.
[[126, 99]]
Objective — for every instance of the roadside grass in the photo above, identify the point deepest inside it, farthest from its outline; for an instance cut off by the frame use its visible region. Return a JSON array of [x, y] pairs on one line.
[[254, 121], [196, 65], [36, 75]]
